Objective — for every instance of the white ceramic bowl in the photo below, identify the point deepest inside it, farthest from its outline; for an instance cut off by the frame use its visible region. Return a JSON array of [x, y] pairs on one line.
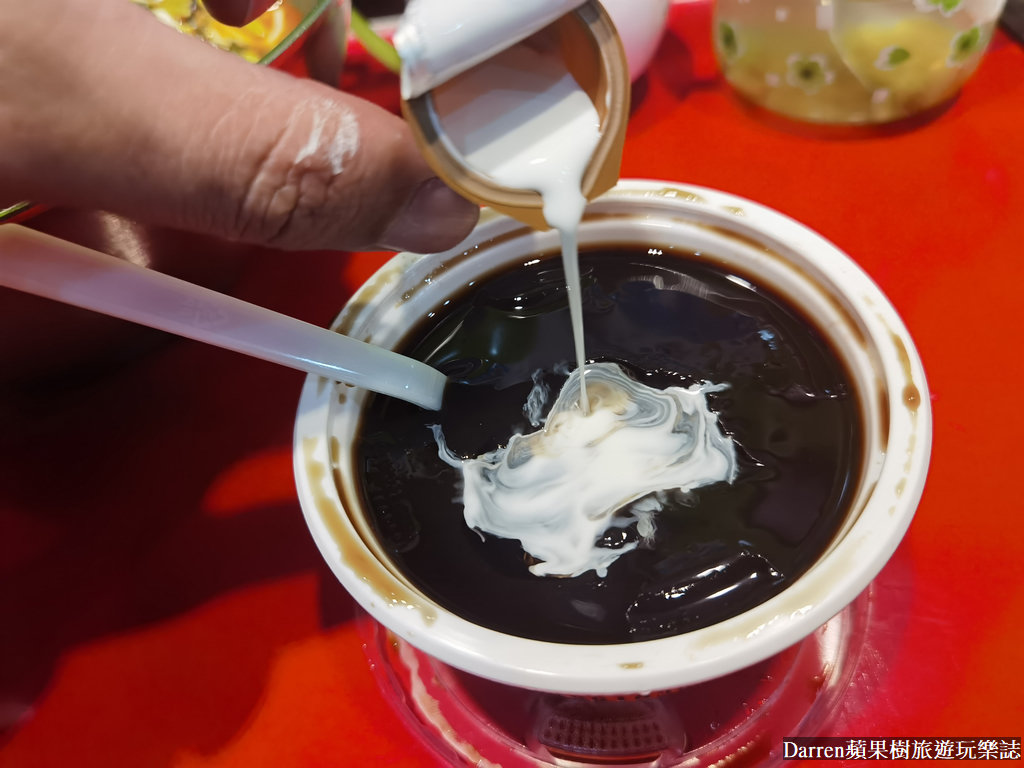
[[785, 256]]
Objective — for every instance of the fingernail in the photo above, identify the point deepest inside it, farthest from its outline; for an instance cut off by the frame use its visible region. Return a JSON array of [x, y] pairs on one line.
[[435, 218]]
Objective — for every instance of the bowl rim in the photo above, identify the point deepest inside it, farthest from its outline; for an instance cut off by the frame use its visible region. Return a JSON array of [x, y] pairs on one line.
[[851, 562], [305, 23]]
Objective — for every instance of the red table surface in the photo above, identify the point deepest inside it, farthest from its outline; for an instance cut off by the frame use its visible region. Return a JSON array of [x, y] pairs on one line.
[[162, 603]]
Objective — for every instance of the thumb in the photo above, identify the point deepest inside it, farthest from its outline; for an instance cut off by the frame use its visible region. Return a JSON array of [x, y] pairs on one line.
[[151, 124]]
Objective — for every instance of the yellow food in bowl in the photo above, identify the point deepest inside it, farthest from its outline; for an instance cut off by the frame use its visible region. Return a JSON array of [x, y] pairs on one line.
[[253, 41]]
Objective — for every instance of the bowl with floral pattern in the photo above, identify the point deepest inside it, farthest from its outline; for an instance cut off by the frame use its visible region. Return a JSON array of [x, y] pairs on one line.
[[852, 62]]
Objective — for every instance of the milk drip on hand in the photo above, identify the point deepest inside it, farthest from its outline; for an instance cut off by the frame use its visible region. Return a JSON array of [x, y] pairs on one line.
[[503, 118]]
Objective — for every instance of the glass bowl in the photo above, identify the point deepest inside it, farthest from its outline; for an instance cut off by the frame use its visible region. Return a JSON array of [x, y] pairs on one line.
[[852, 62]]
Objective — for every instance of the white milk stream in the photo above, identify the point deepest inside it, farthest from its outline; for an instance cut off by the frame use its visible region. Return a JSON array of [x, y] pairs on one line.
[[610, 446], [556, 129]]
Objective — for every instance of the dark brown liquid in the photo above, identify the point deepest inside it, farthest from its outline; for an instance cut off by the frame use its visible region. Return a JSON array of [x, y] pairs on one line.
[[718, 550]]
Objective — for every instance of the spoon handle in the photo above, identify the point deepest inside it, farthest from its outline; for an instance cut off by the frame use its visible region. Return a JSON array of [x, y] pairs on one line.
[[37, 263]]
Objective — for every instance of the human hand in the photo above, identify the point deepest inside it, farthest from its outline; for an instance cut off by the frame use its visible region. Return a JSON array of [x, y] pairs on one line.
[[109, 109]]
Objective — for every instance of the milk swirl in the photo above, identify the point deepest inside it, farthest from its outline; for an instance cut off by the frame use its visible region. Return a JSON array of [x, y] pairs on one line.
[[559, 489]]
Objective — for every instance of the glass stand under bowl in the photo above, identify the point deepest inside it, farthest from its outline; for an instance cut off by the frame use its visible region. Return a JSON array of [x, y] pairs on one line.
[[740, 719]]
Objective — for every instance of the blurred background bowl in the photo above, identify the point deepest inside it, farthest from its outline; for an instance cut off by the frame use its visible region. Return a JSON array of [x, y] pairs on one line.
[[852, 62], [289, 31]]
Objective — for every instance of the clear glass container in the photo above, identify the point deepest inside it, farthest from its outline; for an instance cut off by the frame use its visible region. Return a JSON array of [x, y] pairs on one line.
[[851, 62]]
